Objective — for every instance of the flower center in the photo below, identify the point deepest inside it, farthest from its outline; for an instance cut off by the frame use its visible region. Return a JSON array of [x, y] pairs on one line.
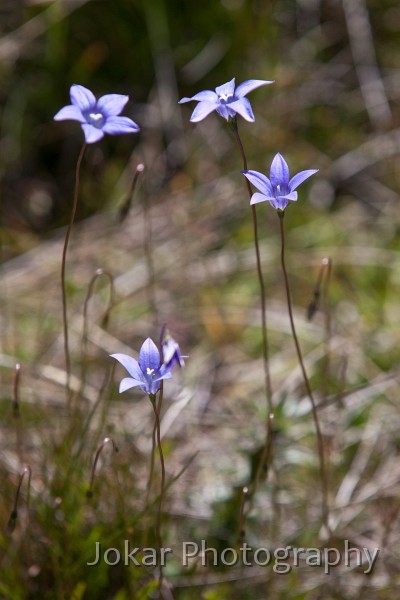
[[96, 119], [149, 371], [281, 189], [225, 98]]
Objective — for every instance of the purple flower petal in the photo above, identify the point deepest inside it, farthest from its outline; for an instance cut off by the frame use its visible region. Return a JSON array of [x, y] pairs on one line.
[[167, 375], [260, 181], [279, 203], [82, 97], [256, 198], [248, 86], [225, 111], [206, 95], [300, 177], [111, 104], [243, 107], [92, 134], [152, 388], [226, 90], [120, 125], [202, 110], [130, 364], [127, 383], [149, 356], [279, 173], [225, 100], [277, 190], [70, 112], [291, 196], [148, 372], [171, 353]]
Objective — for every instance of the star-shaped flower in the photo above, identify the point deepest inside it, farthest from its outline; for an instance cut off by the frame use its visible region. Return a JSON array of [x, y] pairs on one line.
[[97, 117], [278, 190], [226, 100], [147, 373]]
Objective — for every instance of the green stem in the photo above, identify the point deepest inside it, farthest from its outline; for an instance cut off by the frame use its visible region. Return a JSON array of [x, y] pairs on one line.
[[320, 441], [267, 451], [157, 410], [89, 492], [98, 273], [151, 472], [268, 386], [148, 253], [63, 284]]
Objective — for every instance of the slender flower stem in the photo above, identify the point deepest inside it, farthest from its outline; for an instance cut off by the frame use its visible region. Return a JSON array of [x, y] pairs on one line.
[[151, 472], [323, 281], [320, 442], [125, 208], [106, 440], [63, 262], [157, 409], [16, 413], [267, 452], [260, 280], [104, 319], [263, 464], [14, 513], [242, 516], [148, 253], [327, 262], [153, 445], [16, 403]]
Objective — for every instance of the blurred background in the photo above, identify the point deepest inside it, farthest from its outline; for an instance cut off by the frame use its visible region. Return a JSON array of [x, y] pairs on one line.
[[336, 84], [184, 255]]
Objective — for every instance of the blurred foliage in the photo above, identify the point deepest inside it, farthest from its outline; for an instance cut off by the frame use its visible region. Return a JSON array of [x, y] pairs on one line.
[[139, 48]]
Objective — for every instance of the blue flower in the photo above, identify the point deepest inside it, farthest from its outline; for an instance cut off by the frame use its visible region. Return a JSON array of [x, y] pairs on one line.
[[147, 373], [97, 117], [226, 100], [278, 190], [171, 351]]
